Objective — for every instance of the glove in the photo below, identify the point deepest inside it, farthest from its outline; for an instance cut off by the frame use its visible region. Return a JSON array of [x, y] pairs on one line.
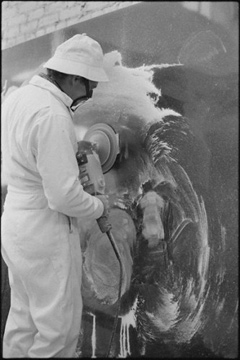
[[104, 200]]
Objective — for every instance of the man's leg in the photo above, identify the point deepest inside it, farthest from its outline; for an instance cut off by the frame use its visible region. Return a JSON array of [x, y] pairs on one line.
[[56, 303], [20, 329]]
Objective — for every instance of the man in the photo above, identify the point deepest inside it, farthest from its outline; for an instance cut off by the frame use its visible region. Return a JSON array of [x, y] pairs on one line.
[[40, 239]]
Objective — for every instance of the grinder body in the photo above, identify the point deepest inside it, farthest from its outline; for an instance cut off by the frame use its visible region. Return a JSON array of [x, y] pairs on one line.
[[97, 153], [90, 170], [91, 176]]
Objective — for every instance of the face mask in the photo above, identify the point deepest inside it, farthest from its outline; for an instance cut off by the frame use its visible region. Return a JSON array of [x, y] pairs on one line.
[[82, 99]]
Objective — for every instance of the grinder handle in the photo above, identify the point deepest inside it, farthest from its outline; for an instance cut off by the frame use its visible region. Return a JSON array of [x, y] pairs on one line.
[[103, 222]]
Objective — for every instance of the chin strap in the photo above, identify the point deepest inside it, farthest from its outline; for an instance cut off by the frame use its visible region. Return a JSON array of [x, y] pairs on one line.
[[81, 99]]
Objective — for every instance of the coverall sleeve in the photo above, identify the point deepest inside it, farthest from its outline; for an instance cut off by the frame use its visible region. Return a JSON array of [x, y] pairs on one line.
[[53, 149]]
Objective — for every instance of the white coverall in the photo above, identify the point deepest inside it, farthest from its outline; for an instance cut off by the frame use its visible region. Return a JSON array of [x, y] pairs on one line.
[[40, 239]]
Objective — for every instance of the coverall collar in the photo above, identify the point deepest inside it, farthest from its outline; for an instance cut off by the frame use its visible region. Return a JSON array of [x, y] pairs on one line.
[[45, 84]]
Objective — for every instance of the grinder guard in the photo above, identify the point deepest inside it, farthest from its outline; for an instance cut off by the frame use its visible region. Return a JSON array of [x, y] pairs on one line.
[[107, 144], [96, 155]]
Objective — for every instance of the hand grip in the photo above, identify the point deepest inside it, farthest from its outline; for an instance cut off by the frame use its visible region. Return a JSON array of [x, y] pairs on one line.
[[103, 224]]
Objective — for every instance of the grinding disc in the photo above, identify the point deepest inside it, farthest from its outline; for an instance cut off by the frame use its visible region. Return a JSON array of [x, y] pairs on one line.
[[107, 144]]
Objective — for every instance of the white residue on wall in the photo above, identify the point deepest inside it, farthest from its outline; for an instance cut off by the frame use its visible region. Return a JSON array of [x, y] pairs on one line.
[[220, 307], [167, 313], [204, 253], [127, 320], [223, 236], [196, 300], [94, 337]]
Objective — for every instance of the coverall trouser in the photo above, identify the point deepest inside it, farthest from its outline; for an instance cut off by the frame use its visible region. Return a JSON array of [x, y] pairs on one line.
[[44, 260]]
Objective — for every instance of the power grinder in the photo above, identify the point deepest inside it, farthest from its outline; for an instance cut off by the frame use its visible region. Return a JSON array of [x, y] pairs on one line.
[[96, 155]]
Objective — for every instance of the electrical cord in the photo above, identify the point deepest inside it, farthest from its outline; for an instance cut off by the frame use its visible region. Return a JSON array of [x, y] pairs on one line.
[[114, 245]]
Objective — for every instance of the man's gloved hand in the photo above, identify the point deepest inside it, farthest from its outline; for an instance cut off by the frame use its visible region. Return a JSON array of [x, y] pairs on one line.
[[104, 200]]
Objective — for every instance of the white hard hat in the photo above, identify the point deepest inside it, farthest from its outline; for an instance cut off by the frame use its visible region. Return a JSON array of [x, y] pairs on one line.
[[80, 55]]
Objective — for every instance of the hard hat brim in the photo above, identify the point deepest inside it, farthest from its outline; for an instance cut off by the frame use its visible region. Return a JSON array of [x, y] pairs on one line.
[[74, 68]]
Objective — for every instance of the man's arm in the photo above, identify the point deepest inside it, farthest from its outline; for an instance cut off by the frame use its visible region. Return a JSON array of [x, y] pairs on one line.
[[57, 165]]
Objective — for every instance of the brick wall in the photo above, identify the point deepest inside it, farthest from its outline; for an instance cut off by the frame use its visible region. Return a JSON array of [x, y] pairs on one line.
[[26, 20]]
